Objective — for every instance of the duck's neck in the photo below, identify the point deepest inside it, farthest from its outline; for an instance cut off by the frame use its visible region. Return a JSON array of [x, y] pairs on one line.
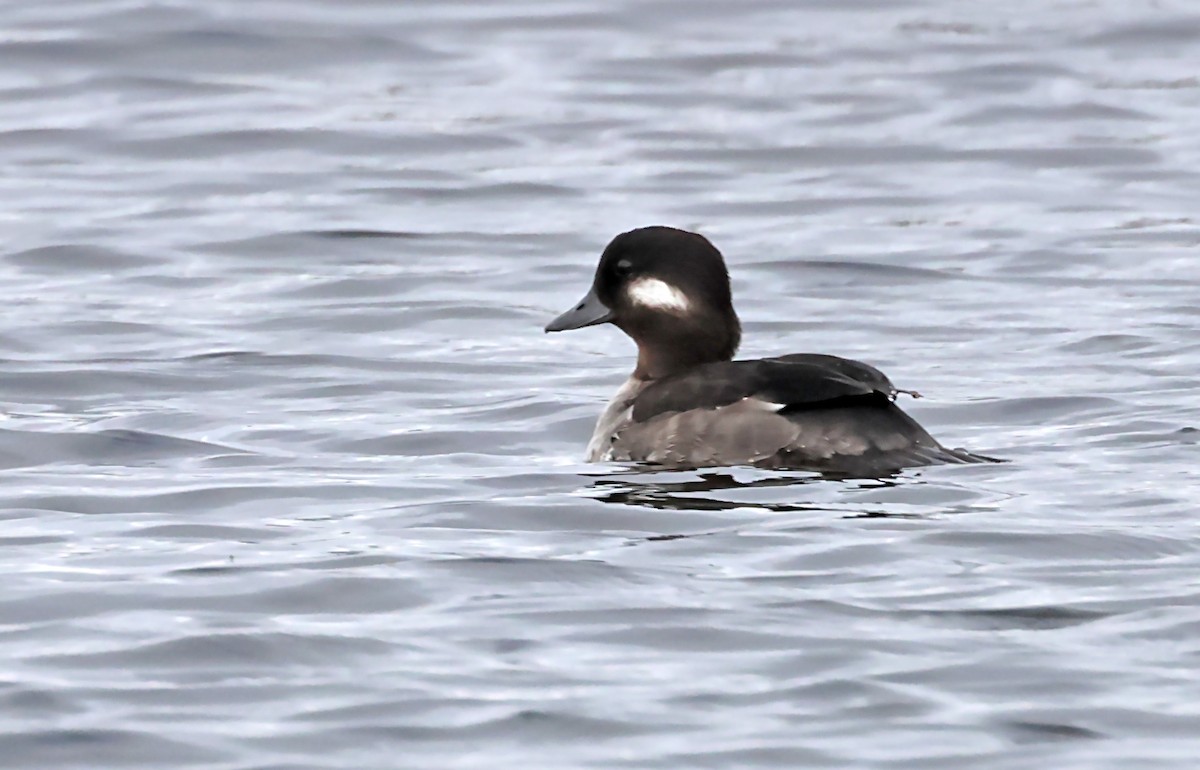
[[662, 353]]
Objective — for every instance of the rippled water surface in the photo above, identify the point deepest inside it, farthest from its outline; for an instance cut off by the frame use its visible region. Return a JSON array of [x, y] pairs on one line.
[[292, 478]]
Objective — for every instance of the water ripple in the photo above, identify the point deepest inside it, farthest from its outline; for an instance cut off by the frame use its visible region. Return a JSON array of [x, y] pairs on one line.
[[283, 438]]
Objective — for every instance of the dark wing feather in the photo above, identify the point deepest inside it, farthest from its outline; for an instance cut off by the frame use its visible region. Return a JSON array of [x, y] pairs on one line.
[[799, 381], [855, 370]]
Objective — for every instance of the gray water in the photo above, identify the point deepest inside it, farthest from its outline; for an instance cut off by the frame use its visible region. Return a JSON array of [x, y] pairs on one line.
[[292, 477]]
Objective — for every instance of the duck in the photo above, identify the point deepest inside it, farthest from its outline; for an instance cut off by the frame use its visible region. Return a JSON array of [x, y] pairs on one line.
[[688, 404]]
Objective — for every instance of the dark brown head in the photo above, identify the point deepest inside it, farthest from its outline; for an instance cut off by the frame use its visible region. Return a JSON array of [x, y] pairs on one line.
[[668, 289]]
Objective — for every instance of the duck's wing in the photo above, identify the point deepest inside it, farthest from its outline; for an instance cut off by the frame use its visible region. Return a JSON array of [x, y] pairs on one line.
[[857, 371], [785, 383]]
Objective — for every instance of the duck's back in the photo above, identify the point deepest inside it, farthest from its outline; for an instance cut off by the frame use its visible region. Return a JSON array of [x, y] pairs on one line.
[[799, 411]]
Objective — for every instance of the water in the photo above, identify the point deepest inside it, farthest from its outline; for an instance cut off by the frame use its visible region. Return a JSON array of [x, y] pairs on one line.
[[292, 478]]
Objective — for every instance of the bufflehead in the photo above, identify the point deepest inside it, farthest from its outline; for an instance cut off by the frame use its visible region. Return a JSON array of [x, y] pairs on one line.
[[689, 405]]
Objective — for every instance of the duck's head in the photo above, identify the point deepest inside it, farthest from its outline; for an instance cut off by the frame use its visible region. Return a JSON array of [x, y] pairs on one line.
[[667, 289]]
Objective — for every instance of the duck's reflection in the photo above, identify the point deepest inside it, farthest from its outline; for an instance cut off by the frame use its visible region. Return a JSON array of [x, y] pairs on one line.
[[696, 491]]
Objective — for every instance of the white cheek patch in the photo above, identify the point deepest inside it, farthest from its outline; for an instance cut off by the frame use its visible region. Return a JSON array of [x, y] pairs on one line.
[[658, 295]]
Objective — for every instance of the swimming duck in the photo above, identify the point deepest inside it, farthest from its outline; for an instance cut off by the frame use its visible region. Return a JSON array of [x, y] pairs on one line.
[[689, 405]]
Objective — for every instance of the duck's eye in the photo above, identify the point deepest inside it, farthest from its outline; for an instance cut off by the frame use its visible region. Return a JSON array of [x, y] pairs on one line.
[[623, 268]]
